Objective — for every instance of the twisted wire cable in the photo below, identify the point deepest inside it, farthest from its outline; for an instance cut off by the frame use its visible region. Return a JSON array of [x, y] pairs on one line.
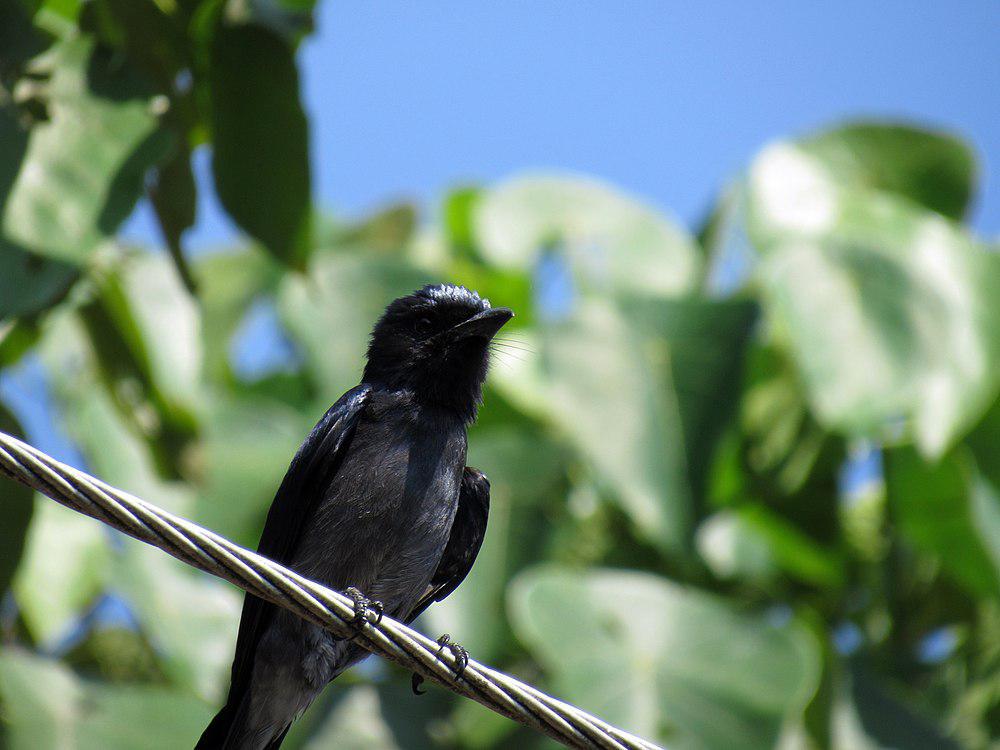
[[329, 609]]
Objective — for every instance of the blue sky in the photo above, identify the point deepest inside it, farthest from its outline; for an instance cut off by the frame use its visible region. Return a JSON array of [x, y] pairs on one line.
[[664, 99]]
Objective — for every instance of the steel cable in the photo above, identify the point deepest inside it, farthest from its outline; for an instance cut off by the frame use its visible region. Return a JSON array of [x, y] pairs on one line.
[[388, 638]]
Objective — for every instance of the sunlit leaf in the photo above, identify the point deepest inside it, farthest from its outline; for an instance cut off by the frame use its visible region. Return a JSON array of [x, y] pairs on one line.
[[643, 393], [144, 330], [190, 618], [890, 312], [936, 170], [614, 400], [84, 166], [47, 706], [611, 241], [666, 662], [66, 564]]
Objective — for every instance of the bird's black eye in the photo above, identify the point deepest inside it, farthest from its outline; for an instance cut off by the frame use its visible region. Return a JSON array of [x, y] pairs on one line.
[[423, 326]]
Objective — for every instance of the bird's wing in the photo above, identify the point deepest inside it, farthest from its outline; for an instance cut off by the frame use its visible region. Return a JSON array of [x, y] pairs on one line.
[[313, 467], [467, 533]]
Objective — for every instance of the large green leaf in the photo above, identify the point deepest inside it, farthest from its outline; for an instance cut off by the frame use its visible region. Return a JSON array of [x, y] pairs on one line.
[[610, 241], [664, 661], [83, 168], [936, 170], [144, 331], [16, 508], [29, 283], [47, 706], [190, 618], [707, 340], [643, 394], [949, 511], [614, 400], [65, 566], [891, 312], [260, 138]]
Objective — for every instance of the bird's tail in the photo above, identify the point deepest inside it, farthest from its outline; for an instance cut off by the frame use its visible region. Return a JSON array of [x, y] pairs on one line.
[[228, 729]]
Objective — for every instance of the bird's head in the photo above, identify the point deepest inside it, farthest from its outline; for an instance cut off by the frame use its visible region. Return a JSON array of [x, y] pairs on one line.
[[435, 342]]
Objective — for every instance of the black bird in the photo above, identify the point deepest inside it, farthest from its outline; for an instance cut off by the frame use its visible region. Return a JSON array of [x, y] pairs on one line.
[[378, 503]]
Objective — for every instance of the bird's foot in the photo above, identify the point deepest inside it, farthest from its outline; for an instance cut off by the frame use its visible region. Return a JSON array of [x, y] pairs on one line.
[[460, 653], [457, 650], [363, 608]]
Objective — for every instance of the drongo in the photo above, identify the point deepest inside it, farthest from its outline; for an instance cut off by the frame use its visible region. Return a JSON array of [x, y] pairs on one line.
[[377, 503]]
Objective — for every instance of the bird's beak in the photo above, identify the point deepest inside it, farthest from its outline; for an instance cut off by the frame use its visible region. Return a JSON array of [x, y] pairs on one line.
[[484, 324]]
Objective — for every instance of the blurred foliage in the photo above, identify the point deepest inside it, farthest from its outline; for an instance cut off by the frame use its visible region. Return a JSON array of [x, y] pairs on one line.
[[745, 485]]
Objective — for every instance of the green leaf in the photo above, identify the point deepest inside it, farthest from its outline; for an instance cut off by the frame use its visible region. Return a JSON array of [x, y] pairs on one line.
[[664, 661], [144, 330], [190, 618], [755, 543], [642, 394], [707, 341], [29, 283], [173, 198], [83, 168], [782, 459], [610, 241], [260, 138], [459, 218], [614, 401], [946, 510], [16, 339], [16, 508], [869, 717], [889, 311], [934, 169], [47, 706], [65, 566]]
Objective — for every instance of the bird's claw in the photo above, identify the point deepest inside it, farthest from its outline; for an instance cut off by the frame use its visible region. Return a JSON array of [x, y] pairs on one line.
[[460, 653], [363, 607]]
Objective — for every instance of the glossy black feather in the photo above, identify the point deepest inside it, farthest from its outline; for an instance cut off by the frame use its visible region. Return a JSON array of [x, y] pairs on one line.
[[378, 497], [315, 464], [467, 533]]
